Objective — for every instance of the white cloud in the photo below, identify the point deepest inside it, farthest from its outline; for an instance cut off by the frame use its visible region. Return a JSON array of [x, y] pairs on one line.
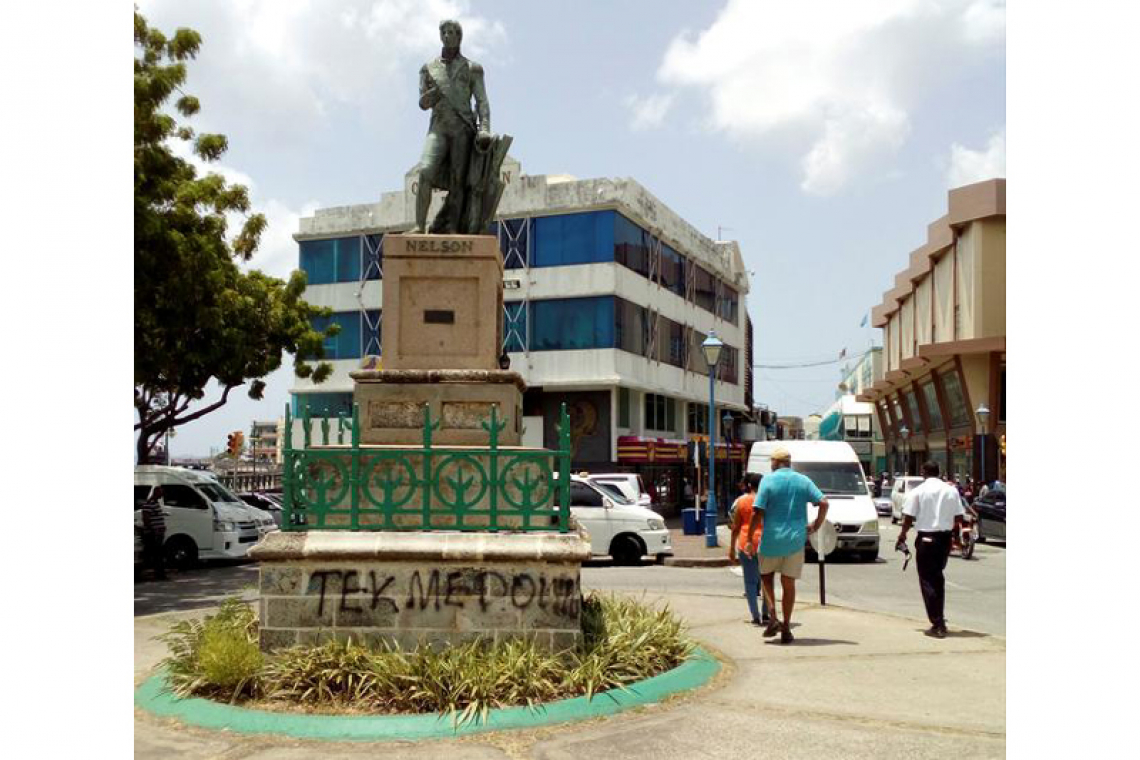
[[835, 79], [969, 166], [277, 67], [648, 112], [984, 21]]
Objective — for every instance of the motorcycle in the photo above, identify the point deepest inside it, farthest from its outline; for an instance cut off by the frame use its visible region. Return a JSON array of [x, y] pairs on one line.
[[965, 536]]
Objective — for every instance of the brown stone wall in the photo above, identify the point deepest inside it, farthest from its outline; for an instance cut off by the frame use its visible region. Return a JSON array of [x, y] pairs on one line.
[[489, 588]]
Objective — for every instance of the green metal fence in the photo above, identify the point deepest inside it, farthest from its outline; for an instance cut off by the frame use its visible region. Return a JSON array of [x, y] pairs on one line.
[[336, 484]]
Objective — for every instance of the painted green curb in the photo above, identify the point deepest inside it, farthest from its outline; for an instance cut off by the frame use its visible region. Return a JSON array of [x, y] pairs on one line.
[[153, 696]]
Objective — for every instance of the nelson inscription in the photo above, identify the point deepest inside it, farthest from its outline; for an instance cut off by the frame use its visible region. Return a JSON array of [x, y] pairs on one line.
[[438, 246]]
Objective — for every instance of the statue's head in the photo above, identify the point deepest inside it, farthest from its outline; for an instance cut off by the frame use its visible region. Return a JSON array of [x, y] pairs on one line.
[[450, 33]]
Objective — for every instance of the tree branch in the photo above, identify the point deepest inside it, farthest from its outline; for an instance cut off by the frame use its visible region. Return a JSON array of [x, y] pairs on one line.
[[206, 410]]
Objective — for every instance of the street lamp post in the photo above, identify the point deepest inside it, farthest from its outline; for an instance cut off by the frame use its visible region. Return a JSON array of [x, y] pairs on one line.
[[983, 413], [726, 429], [904, 431], [711, 348]]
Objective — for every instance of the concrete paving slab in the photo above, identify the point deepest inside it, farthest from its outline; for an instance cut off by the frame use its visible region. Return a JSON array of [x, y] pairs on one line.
[[155, 741], [423, 751], [964, 692], [713, 729]]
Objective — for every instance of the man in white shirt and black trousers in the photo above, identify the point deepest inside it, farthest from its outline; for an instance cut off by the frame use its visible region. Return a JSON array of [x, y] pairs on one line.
[[934, 509]]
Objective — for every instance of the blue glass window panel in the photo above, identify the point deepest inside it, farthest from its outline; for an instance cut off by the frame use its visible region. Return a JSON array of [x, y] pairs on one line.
[[348, 342], [573, 239], [514, 326], [339, 260], [572, 323], [318, 261], [321, 405], [348, 259], [353, 330], [631, 245], [673, 270]]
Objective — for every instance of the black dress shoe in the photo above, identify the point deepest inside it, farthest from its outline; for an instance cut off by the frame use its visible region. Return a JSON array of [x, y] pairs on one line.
[[936, 631], [772, 629], [786, 636]]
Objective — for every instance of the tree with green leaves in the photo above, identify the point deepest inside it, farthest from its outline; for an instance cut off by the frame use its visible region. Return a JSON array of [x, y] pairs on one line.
[[198, 316]]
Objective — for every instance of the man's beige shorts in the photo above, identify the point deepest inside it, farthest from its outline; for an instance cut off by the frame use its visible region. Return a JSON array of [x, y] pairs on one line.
[[790, 565]]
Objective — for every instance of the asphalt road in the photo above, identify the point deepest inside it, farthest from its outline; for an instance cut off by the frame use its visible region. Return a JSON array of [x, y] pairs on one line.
[[975, 589]]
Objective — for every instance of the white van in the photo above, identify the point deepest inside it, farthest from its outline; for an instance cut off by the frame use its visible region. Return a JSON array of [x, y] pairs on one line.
[[204, 520], [630, 484], [903, 485], [618, 527], [835, 469]]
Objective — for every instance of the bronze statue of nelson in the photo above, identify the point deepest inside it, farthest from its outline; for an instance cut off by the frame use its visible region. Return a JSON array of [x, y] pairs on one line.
[[460, 154]]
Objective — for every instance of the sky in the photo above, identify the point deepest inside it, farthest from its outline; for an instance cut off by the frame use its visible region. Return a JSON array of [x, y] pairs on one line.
[[822, 135]]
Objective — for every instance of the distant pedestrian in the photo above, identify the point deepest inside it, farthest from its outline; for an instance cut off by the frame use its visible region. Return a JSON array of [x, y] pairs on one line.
[[749, 558], [781, 510], [154, 533], [741, 491], [935, 509]]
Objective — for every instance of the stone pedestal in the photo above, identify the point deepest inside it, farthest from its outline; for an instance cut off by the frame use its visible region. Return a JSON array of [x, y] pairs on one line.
[[433, 588], [443, 298], [391, 405]]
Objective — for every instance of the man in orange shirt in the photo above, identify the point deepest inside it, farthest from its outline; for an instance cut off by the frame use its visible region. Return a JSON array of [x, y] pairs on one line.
[[749, 563]]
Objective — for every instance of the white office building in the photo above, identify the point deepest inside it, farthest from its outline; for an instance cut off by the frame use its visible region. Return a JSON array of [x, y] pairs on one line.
[[608, 295]]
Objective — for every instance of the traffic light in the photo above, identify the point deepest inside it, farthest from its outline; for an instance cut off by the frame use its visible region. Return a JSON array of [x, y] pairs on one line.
[[234, 443]]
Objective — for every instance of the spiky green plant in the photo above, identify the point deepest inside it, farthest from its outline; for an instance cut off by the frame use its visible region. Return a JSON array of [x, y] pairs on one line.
[[215, 656], [623, 641]]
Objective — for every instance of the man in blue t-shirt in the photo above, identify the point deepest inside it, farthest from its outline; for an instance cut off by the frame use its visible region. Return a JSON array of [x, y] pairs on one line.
[[781, 509]]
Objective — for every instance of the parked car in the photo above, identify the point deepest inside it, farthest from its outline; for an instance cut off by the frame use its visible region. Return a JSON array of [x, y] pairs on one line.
[[991, 514], [204, 520], [884, 506], [629, 483], [617, 527], [902, 485], [264, 502], [834, 468]]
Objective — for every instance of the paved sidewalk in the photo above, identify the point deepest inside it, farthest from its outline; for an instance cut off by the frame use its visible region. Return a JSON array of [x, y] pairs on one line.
[[692, 551], [853, 685]]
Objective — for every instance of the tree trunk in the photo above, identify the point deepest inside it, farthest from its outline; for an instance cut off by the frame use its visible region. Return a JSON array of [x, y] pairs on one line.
[[142, 448]]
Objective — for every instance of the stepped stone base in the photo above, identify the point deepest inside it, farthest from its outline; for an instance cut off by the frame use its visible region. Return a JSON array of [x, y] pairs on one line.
[[434, 588], [391, 405]]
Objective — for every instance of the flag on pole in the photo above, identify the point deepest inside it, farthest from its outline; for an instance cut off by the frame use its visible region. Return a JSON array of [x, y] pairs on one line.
[[864, 322]]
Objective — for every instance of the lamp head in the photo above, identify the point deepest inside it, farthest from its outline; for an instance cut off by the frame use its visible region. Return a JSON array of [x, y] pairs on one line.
[[711, 348]]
